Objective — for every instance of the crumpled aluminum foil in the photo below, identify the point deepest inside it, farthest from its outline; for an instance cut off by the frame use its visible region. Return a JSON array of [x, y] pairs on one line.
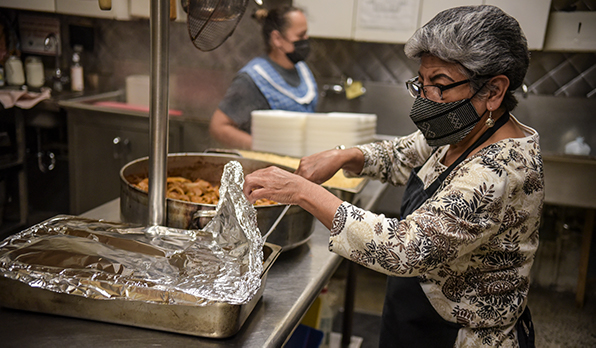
[[105, 260]]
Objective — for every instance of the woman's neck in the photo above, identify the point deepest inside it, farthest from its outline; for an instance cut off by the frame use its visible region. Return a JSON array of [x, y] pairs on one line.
[[281, 59]]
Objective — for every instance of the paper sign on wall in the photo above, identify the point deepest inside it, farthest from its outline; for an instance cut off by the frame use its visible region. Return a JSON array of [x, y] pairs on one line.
[[388, 14]]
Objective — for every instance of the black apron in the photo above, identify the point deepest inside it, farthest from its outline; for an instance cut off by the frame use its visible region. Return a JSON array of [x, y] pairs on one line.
[[409, 319]]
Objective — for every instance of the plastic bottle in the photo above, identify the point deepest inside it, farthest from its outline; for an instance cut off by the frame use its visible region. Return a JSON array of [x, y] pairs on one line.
[[76, 70], [326, 318], [15, 75], [577, 147], [34, 72]]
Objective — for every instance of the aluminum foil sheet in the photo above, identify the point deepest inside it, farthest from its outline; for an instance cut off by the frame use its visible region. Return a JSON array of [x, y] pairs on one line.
[[96, 259]]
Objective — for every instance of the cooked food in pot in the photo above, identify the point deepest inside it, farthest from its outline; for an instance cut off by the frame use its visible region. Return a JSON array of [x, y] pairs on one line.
[[183, 189]]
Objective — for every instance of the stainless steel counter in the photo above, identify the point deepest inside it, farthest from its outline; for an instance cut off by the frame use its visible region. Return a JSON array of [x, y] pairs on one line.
[[293, 283]]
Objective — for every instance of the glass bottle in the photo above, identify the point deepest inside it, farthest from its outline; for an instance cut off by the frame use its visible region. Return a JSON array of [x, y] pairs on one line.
[[76, 70]]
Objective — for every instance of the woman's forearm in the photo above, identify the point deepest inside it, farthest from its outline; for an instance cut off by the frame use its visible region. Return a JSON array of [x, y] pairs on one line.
[[284, 187], [225, 131], [233, 137], [321, 203], [353, 160]]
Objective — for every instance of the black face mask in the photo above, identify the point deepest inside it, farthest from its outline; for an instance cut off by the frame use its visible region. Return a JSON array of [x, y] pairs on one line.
[[301, 51], [445, 123]]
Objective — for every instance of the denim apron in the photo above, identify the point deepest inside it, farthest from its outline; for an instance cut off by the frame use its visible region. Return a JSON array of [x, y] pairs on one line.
[[409, 319]]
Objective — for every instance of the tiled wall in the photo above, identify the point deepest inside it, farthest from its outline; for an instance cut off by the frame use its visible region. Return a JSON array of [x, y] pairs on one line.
[[123, 48]]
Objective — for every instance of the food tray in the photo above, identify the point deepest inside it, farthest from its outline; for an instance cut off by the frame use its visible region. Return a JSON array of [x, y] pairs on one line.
[[215, 320]]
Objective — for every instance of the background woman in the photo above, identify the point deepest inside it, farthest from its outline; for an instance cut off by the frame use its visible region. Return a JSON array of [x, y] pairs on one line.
[[460, 257], [279, 80]]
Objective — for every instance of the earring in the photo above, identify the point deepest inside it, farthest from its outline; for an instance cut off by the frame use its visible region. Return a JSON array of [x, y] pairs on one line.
[[489, 121]]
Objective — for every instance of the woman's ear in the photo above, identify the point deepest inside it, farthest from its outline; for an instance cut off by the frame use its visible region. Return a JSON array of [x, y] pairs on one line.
[[276, 39], [498, 87]]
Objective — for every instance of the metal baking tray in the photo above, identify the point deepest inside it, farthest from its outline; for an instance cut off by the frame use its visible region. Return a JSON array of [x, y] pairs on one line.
[[217, 320]]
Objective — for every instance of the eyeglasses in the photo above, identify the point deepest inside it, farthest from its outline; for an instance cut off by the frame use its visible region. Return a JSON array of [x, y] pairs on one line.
[[432, 92]]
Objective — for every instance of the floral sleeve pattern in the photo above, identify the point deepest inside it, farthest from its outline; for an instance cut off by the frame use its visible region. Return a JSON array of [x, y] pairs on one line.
[[392, 161], [471, 245]]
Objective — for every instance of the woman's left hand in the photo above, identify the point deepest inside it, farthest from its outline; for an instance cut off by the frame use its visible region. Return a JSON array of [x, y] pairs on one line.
[[274, 183], [284, 187]]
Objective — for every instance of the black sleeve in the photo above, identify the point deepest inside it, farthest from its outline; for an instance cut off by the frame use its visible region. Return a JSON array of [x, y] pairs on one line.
[[241, 98]]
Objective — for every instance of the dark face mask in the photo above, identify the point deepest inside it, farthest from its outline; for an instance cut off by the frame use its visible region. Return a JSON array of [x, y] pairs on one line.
[[444, 123], [301, 51]]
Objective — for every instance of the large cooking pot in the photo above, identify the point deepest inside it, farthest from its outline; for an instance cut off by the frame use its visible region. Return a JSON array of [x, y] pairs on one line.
[[293, 230]]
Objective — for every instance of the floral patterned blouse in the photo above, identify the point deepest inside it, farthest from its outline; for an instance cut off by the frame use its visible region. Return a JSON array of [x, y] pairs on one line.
[[471, 244]]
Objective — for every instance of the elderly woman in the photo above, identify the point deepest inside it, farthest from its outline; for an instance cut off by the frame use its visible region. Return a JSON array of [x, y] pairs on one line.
[[459, 259]]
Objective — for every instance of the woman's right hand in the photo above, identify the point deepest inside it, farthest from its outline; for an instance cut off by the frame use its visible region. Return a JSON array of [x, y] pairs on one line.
[[321, 166]]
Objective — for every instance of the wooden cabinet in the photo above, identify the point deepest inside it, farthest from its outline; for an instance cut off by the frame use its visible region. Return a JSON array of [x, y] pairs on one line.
[[85, 8], [90, 8], [329, 18], [571, 31], [121, 9], [532, 16], [430, 8], [395, 21], [361, 20], [32, 5], [100, 144], [141, 9], [386, 21]]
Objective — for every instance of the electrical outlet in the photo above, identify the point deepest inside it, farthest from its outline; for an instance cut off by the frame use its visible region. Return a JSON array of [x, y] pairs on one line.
[[34, 29]]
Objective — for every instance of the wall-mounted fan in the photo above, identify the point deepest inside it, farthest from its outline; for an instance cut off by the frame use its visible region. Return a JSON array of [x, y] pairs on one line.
[[211, 22]]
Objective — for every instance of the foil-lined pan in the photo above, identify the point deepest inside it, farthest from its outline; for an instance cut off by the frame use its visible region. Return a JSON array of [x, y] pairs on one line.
[[216, 320], [198, 282]]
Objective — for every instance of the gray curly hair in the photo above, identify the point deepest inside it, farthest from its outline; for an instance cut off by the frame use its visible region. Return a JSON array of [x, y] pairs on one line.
[[483, 39]]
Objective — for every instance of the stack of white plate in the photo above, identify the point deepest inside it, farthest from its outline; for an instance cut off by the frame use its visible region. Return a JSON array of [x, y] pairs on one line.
[[278, 131], [137, 90], [301, 134], [326, 131]]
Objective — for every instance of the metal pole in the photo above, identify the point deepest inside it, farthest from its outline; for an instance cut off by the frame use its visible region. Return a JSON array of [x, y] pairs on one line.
[[158, 111]]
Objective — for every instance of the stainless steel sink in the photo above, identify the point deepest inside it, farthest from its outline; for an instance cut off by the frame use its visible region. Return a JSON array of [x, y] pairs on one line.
[[90, 103], [81, 100]]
